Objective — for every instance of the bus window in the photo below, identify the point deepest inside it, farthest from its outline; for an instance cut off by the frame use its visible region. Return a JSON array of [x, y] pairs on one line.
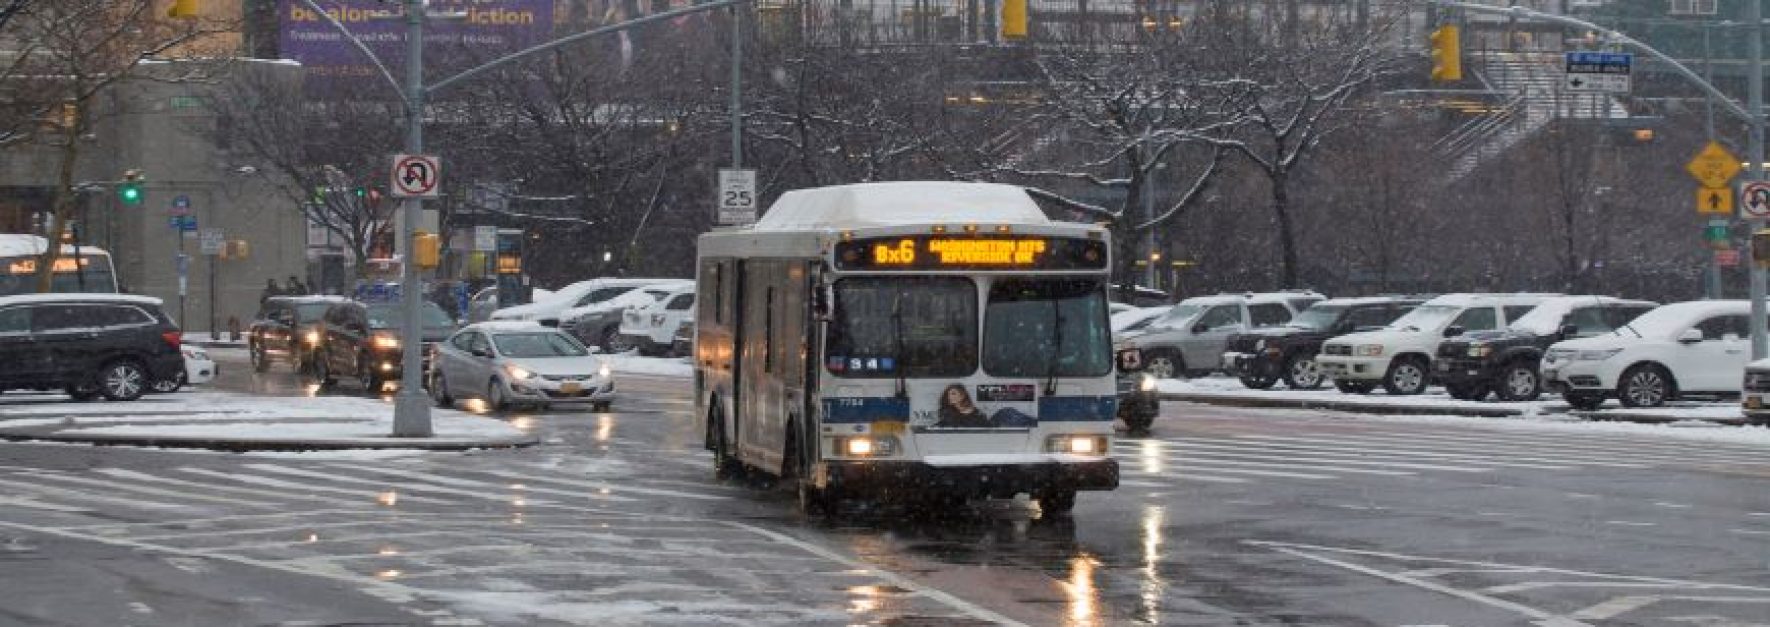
[[1046, 327], [92, 273], [908, 326]]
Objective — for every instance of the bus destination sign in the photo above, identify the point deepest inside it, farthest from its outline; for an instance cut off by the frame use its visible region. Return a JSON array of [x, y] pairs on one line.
[[950, 252]]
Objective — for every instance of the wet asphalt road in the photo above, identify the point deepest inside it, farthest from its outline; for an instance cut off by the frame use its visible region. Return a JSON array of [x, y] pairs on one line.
[[1227, 517]]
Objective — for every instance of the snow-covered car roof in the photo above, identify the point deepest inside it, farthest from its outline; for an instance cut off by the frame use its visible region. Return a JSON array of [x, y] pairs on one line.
[[866, 205], [1666, 321], [1366, 300], [1474, 299], [639, 296], [508, 326], [83, 297], [1545, 319], [18, 244], [1126, 318]]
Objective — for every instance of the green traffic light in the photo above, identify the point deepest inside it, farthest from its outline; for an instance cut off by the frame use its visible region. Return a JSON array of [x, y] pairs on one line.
[[131, 194]]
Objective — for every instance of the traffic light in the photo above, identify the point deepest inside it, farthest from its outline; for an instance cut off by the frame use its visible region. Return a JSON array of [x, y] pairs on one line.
[[1447, 54], [426, 250], [1761, 247], [183, 9], [129, 191], [1014, 19]]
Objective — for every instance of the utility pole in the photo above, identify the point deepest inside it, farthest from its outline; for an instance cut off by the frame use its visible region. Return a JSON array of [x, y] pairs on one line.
[[1754, 19], [1714, 289], [411, 410], [737, 84]]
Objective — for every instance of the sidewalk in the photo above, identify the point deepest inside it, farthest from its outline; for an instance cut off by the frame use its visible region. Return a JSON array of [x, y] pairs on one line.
[[237, 422]]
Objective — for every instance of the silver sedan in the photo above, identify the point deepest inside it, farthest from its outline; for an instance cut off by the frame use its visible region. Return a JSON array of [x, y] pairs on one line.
[[508, 363]]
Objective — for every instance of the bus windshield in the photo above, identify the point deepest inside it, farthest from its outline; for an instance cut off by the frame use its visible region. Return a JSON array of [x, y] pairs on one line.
[[92, 274], [1046, 328], [904, 326]]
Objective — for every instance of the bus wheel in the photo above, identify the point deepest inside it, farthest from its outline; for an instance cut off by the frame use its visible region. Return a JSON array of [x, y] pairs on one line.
[[1056, 501], [816, 502], [724, 465]]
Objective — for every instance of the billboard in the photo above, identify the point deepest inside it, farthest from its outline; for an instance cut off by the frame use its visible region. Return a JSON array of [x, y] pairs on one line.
[[459, 34]]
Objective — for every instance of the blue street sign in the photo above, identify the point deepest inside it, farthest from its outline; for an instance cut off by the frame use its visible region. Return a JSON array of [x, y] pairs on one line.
[[181, 201], [1599, 71]]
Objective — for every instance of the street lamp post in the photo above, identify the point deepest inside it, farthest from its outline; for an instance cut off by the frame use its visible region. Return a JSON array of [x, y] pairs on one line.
[[411, 410]]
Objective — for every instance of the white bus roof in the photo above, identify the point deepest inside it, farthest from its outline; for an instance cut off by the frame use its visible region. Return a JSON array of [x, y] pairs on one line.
[[20, 244], [868, 205]]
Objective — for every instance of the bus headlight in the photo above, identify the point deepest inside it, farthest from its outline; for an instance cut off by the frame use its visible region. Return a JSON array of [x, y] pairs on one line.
[[864, 446], [1076, 444], [1147, 384], [312, 338]]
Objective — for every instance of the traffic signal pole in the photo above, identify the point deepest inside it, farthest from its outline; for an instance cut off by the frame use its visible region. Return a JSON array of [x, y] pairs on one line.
[[411, 409]]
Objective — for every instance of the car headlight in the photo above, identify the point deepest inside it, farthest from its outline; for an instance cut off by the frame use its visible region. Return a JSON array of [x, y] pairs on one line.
[[312, 338], [386, 341], [1077, 444], [604, 371], [517, 372], [1559, 354], [1147, 384], [1480, 350], [1368, 350], [1596, 355]]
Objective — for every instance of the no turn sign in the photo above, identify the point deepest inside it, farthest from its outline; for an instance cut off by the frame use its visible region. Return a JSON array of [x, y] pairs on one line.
[[416, 176], [1754, 199]]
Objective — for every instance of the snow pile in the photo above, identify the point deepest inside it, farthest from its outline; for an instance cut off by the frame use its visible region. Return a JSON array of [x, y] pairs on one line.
[[631, 363], [1227, 387]]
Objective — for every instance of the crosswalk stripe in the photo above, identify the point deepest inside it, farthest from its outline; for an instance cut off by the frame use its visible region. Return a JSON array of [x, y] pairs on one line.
[[1284, 442], [370, 495], [1256, 473], [1170, 477], [142, 476], [1507, 455], [1213, 459], [249, 531], [398, 489], [1654, 451], [1524, 452], [597, 485], [1346, 459], [43, 505], [470, 483], [81, 495], [149, 490]]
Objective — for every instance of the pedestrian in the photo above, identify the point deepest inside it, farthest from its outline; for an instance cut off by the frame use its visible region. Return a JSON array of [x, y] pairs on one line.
[[270, 289], [295, 287]]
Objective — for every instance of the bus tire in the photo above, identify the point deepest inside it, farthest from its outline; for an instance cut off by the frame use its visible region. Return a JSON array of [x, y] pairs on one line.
[[1056, 501], [724, 465]]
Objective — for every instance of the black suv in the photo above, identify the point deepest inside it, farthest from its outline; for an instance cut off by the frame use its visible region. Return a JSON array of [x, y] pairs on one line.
[[363, 341], [1263, 356], [1506, 362], [287, 328], [87, 344]]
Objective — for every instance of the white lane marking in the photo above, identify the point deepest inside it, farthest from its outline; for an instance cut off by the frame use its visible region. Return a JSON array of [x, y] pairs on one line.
[[1510, 567], [1652, 452], [1508, 452], [402, 536], [1182, 477], [1265, 452], [1613, 607], [1758, 514], [1274, 460], [1379, 449], [1256, 473], [141, 476], [512, 547], [1544, 618], [210, 532], [1538, 585], [152, 491], [1751, 532], [1671, 505], [510, 494], [1630, 523], [400, 488], [1312, 461], [1219, 461], [1140, 484], [597, 485], [124, 527], [900, 581], [79, 495], [43, 505], [1582, 495], [366, 495]]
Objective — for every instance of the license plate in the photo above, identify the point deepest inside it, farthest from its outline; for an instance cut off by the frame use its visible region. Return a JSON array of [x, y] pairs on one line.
[[570, 387], [1753, 402], [1443, 367]]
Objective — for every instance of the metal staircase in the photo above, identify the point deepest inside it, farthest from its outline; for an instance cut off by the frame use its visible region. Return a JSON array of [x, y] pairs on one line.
[[1535, 97]]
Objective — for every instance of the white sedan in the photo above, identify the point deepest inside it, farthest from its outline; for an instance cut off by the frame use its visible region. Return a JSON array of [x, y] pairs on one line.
[[507, 363]]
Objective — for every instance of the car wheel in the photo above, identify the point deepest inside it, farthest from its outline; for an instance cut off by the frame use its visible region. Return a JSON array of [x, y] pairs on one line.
[[1469, 392], [1353, 387], [495, 399], [1301, 373], [168, 386], [439, 391], [260, 361], [1645, 386], [82, 392], [322, 370], [366, 375], [1520, 382], [1258, 381], [1583, 402], [1406, 377], [123, 380], [1164, 364]]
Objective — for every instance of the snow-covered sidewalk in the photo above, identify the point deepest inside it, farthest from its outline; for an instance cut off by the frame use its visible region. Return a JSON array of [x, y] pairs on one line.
[[230, 421]]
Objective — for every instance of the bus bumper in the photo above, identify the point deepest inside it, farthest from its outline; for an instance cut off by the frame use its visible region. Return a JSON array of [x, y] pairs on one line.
[[994, 478]]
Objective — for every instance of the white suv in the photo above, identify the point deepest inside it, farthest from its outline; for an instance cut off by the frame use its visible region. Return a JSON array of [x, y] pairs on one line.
[[652, 328], [1399, 357], [1694, 347], [1189, 339]]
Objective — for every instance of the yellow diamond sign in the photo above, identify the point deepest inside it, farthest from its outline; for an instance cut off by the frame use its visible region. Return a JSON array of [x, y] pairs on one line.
[[1714, 166]]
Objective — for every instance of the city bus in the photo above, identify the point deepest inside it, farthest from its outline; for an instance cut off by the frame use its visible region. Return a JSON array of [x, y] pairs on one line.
[[78, 269], [930, 342]]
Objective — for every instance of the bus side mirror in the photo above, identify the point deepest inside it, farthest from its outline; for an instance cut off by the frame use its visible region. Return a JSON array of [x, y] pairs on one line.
[[1130, 360], [823, 303]]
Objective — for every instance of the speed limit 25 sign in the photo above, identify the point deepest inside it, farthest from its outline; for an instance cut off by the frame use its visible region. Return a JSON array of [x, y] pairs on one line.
[[737, 197]]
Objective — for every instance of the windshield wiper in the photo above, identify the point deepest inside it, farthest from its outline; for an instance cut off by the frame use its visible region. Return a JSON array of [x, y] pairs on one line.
[[897, 357], [1056, 349]]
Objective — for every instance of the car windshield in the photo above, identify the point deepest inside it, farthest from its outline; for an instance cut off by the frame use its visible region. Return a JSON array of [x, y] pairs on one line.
[[1318, 318], [538, 344], [1178, 315], [1046, 328], [908, 326], [1426, 318], [311, 312], [389, 316]]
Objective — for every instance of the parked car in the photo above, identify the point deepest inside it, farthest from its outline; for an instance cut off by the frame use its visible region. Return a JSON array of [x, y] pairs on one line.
[[1507, 362], [1698, 347], [481, 305], [89, 345], [1262, 357], [1189, 339], [1135, 319], [599, 323], [518, 362], [286, 329], [1399, 356], [363, 341], [1138, 399], [198, 369], [652, 327], [1755, 392], [548, 308]]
